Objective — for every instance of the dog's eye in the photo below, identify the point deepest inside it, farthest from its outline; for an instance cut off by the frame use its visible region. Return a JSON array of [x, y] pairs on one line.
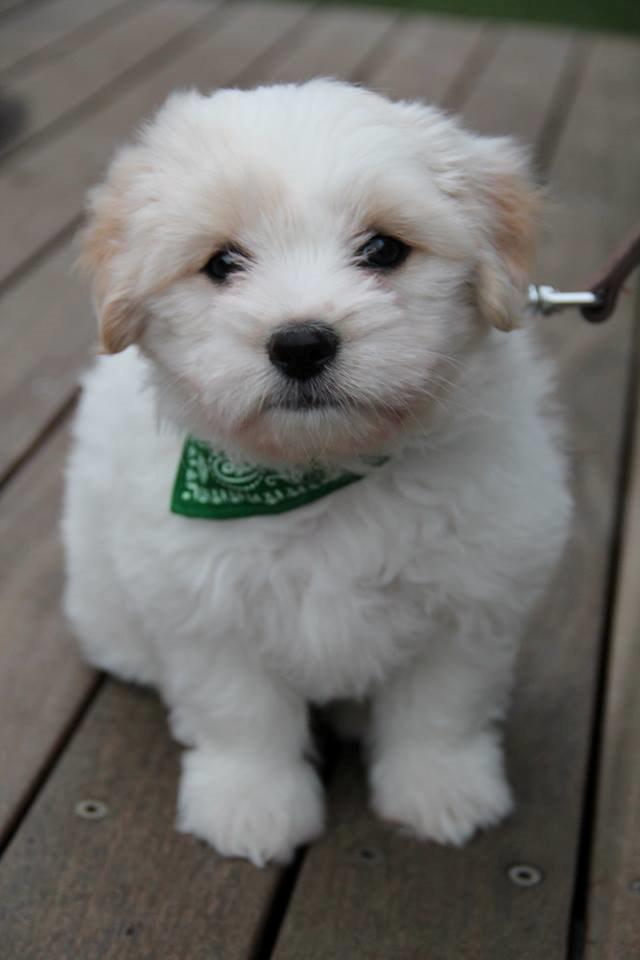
[[222, 264], [383, 253]]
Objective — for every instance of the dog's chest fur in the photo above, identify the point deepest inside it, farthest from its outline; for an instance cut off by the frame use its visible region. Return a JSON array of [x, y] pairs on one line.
[[335, 595], [331, 597]]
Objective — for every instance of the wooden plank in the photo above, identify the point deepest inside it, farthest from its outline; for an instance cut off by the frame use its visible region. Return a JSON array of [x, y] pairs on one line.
[[518, 85], [613, 928], [364, 890], [32, 30], [46, 332], [7, 5], [51, 182], [42, 681], [613, 915], [53, 88], [127, 885], [426, 56], [334, 44]]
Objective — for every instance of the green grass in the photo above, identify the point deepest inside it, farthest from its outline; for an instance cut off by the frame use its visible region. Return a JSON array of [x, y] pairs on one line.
[[621, 16]]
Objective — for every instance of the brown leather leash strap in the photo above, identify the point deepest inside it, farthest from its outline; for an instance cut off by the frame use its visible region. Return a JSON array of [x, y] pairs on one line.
[[609, 284], [599, 301]]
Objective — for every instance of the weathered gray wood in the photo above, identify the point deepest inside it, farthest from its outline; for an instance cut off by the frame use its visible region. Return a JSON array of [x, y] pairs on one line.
[[613, 905], [42, 681], [32, 29], [50, 182], [7, 5], [365, 891], [127, 885], [426, 56], [46, 332], [334, 44], [613, 914], [517, 87], [52, 88]]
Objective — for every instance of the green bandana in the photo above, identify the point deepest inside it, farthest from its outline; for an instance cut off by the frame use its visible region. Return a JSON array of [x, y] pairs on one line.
[[210, 486]]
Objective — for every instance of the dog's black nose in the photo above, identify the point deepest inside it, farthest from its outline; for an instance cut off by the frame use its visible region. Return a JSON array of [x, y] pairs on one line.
[[303, 350]]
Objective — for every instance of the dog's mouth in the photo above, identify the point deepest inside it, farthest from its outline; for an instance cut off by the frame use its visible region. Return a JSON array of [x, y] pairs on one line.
[[317, 396], [304, 404], [309, 396], [321, 421]]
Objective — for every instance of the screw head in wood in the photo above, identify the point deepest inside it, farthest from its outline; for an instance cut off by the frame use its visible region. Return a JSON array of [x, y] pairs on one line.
[[524, 875], [91, 809]]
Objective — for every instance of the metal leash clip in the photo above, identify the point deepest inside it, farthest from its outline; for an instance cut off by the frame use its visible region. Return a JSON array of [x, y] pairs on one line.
[[546, 300], [598, 303]]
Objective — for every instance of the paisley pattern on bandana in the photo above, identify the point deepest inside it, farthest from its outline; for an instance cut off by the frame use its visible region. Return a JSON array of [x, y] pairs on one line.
[[211, 486]]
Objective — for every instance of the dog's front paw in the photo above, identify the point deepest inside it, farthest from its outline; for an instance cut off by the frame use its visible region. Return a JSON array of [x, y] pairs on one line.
[[442, 793], [248, 807]]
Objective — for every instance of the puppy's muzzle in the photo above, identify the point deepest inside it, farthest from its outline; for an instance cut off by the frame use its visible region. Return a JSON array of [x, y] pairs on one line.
[[302, 351]]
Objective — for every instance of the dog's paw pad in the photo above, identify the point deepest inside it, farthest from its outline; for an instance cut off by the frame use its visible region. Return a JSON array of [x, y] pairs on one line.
[[249, 809], [443, 794]]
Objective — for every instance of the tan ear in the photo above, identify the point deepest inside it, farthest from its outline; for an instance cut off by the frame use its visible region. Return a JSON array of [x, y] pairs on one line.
[[512, 202], [120, 325], [102, 258]]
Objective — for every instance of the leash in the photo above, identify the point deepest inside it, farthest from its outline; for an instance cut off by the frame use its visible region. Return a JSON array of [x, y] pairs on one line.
[[599, 301]]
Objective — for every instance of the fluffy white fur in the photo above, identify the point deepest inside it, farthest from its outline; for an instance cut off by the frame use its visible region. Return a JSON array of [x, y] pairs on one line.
[[409, 588]]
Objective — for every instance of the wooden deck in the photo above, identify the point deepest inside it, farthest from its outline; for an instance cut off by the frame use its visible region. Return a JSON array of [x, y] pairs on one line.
[[126, 885]]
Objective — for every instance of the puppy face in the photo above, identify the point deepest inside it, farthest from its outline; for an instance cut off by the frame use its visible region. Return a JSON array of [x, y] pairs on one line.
[[305, 266]]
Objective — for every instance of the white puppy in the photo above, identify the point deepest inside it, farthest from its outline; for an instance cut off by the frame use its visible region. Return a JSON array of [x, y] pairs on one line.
[[308, 278]]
